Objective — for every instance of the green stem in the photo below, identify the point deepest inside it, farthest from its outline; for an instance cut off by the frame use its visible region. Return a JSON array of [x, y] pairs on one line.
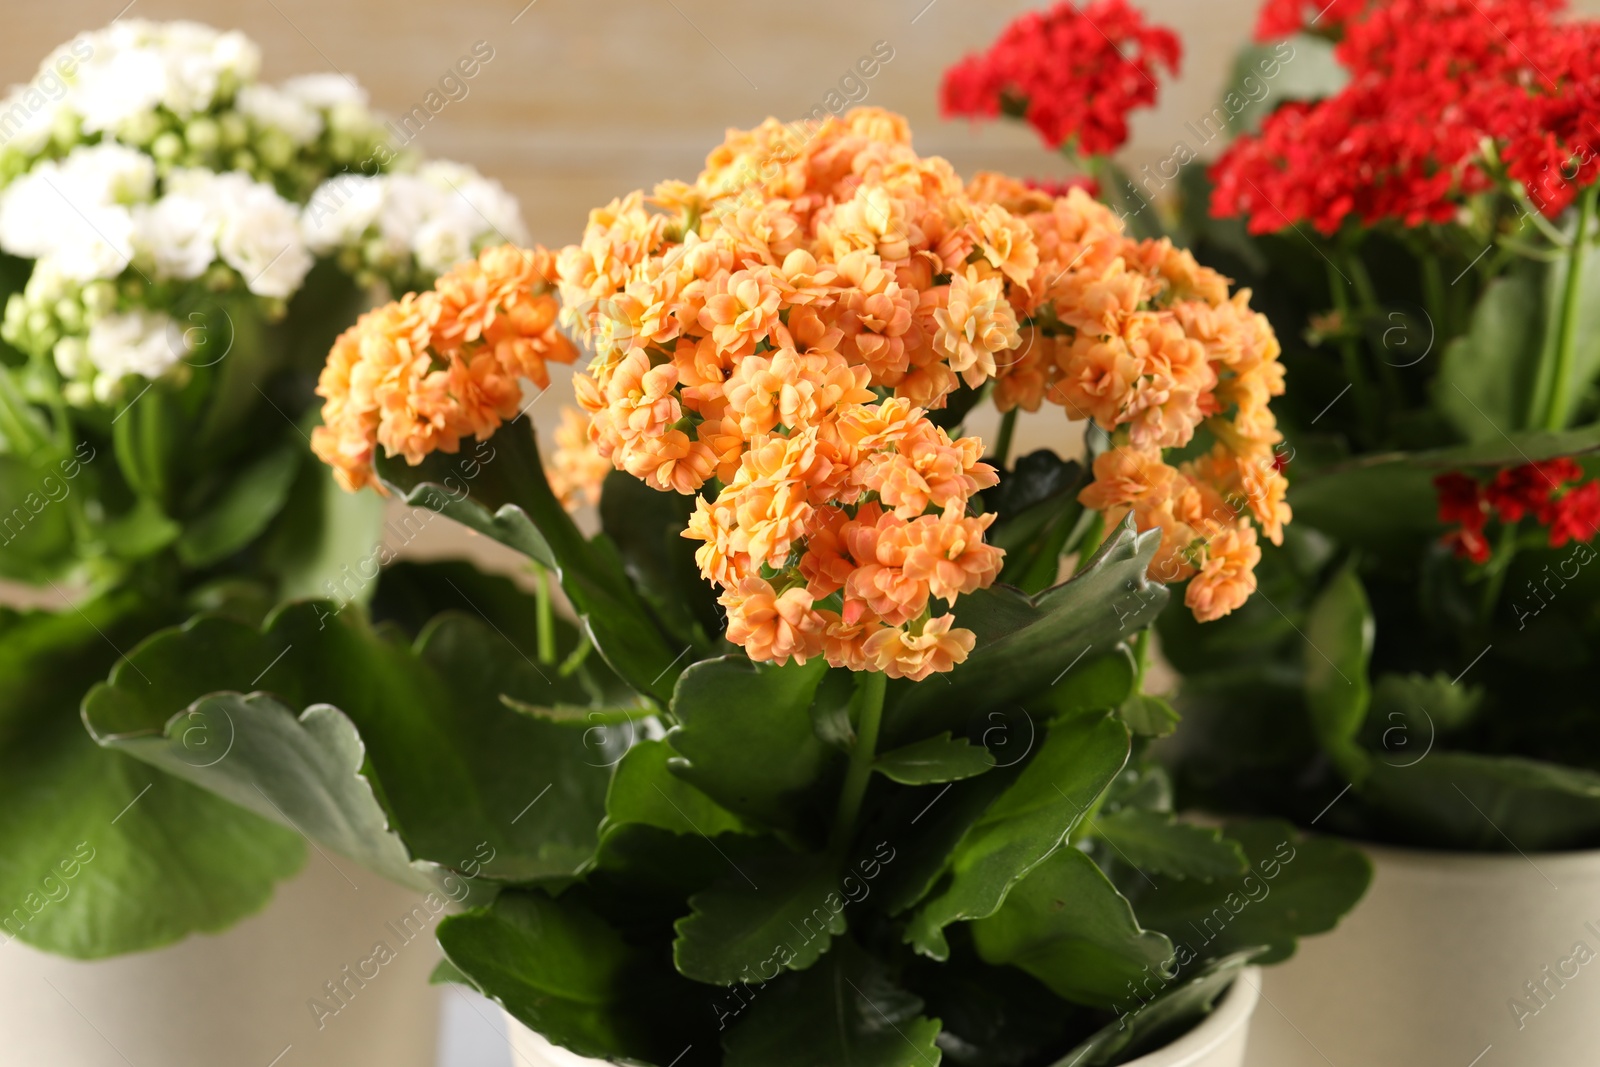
[[546, 616], [1092, 537], [1350, 353], [1555, 412], [1002, 446], [1141, 658], [1498, 568], [867, 711]]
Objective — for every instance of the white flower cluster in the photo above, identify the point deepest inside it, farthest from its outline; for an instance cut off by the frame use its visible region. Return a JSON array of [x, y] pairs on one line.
[[145, 165], [403, 225]]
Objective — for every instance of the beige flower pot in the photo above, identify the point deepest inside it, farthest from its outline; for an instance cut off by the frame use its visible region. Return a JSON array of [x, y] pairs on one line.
[[1451, 960], [1219, 1041], [245, 997]]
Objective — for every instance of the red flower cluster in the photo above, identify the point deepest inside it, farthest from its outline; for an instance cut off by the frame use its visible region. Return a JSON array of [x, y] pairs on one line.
[[1430, 82], [1283, 18], [1073, 74], [1548, 491]]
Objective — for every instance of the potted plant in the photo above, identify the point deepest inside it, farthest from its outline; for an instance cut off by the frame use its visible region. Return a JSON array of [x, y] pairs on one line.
[[179, 244], [829, 764], [1412, 197]]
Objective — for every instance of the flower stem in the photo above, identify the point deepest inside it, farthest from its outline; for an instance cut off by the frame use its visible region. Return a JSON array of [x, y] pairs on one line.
[[546, 616], [1002, 446], [1555, 411], [1499, 567], [867, 706]]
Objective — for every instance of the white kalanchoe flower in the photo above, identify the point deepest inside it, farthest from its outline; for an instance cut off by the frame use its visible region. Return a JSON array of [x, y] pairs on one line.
[[259, 235], [147, 343], [178, 235], [326, 91], [341, 210], [279, 110]]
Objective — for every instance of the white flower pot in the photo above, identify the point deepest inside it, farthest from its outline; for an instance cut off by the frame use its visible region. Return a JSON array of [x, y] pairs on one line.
[[1428, 969], [1219, 1041], [246, 996]]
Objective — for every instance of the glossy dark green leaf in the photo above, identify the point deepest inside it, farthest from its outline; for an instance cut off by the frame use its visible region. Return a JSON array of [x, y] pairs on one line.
[[786, 911], [1067, 925], [1172, 1010], [562, 971], [1469, 801], [1098, 682], [936, 759], [647, 528], [1037, 504], [845, 1010], [453, 766], [1297, 886], [1075, 761], [1485, 380], [325, 541], [1025, 645], [36, 542], [500, 491], [746, 739], [1155, 841], [99, 853], [1338, 647], [1149, 716], [243, 509]]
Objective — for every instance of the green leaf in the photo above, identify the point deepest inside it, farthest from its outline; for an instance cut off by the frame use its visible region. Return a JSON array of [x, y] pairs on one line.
[[1398, 500], [304, 772], [785, 912], [845, 1010], [1297, 886], [140, 532], [99, 854], [1149, 716], [1410, 710], [1026, 644], [36, 542], [1468, 801], [248, 503], [1338, 647], [937, 759], [560, 970], [1095, 683], [454, 768], [1067, 925], [324, 542], [1022, 827], [1485, 385], [500, 491], [1157, 842], [647, 528], [746, 739], [1037, 505], [1151, 1025]]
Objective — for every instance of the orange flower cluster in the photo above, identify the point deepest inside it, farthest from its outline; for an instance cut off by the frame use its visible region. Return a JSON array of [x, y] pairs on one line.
[[1142, 339], [575, 470], [784, 327], [420, 373]]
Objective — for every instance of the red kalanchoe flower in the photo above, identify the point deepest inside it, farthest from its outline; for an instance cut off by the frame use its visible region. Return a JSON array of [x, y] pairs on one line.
[[1055, 188], [1547, 490], [1430, 82], [1074, 74], [1576, 516]]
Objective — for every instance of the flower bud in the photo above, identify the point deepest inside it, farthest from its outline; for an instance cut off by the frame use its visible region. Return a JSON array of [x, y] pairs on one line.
[[72, 356]]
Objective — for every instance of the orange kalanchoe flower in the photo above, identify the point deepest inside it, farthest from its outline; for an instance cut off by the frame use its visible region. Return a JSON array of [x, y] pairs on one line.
[[418, 374], [1143, 340], [786, 330]]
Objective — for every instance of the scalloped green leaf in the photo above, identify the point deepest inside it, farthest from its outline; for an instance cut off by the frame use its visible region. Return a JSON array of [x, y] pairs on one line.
[[500, 491], [1021, 828], [1067, 925], [1157, 842], [935, 759], [1027, 644]]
